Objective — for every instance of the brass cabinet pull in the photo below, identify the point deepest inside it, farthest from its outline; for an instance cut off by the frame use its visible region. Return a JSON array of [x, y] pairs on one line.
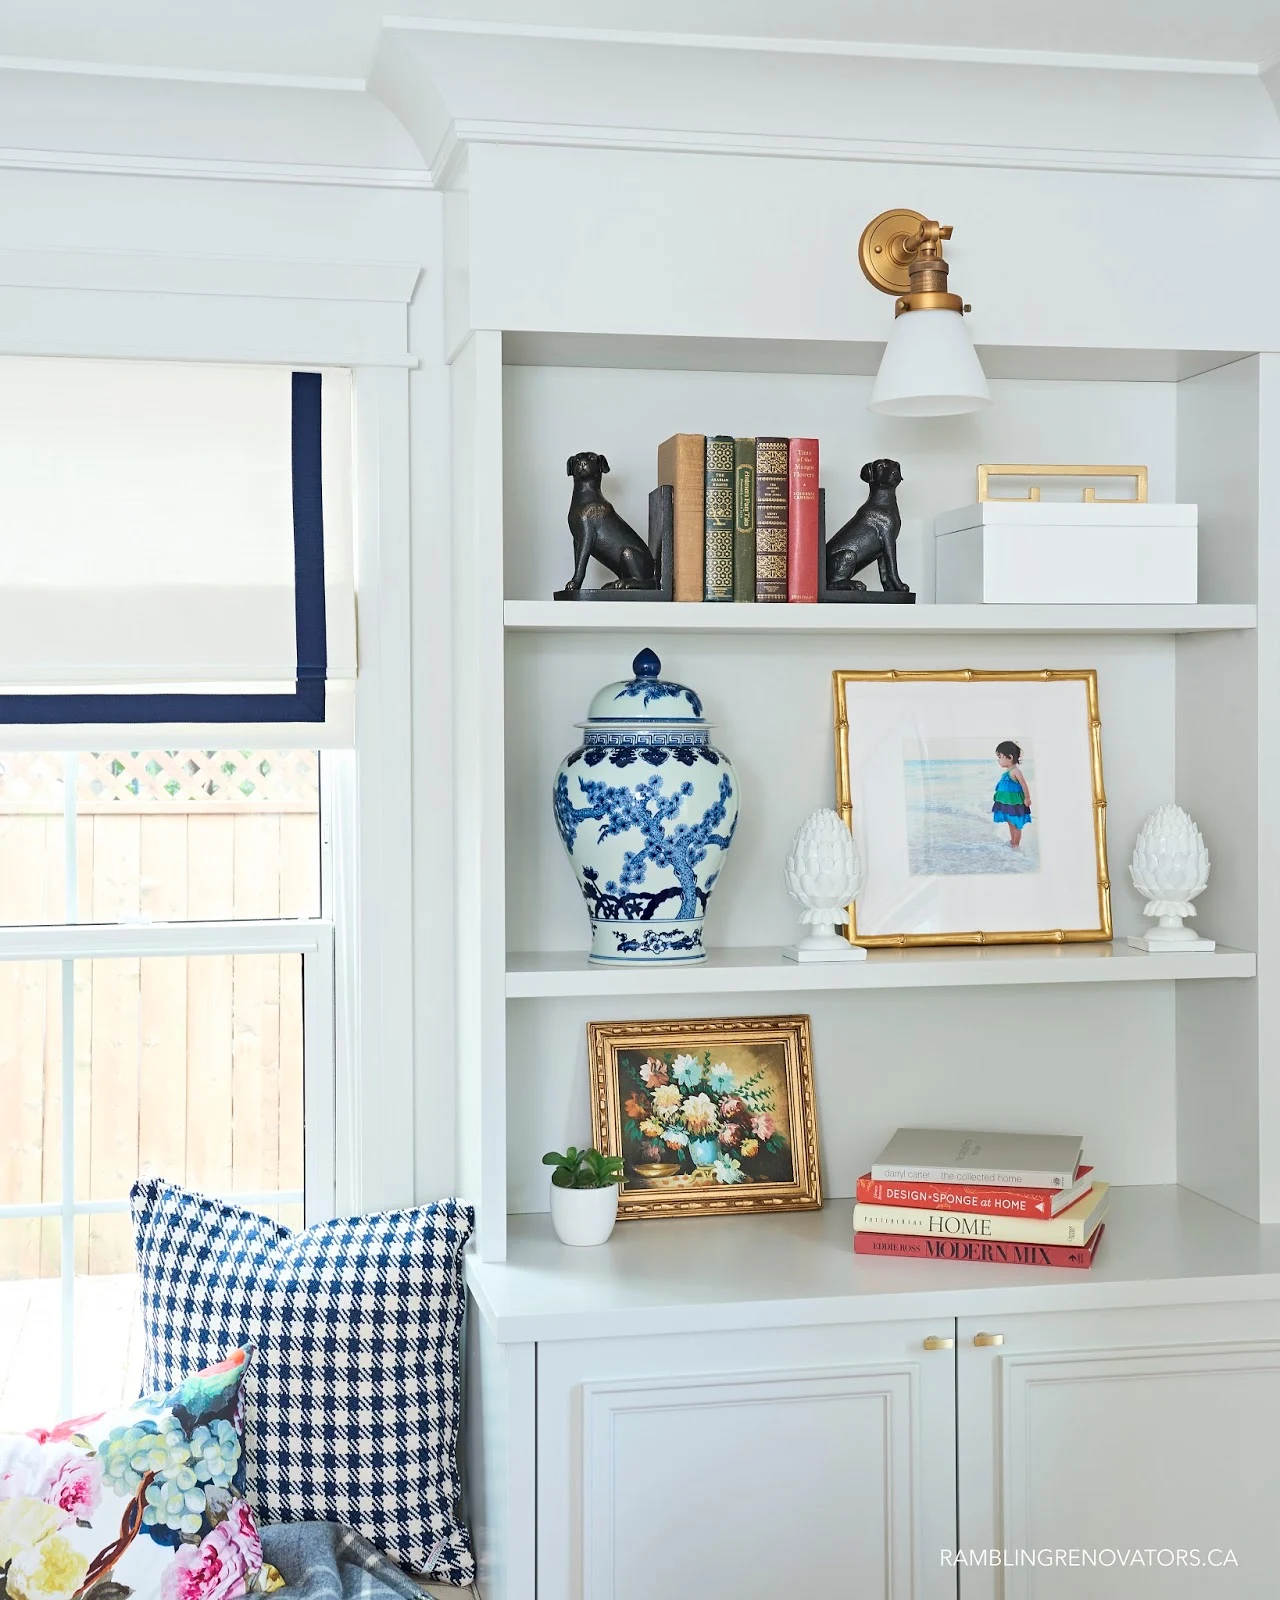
[[935, 1341], [982, 1339]]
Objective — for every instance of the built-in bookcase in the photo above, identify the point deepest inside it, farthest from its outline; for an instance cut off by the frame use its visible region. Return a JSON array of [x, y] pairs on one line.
[[1154, 1060]]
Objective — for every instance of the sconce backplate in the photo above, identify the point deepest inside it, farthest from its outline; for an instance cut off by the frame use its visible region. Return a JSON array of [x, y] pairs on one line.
[[880, 253]]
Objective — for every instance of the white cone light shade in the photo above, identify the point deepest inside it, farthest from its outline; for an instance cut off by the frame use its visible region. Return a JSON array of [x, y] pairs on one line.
[[929, 368]]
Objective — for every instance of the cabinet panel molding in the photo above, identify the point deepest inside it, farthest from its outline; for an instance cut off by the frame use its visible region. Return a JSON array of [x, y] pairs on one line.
[[817, 1473], [1163, 1449]]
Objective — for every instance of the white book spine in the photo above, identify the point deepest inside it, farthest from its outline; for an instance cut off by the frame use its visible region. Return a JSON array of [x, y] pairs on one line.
[[991, 1179]]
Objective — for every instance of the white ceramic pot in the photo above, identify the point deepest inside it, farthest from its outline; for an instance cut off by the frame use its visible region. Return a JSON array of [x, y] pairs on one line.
[[584, 1216]]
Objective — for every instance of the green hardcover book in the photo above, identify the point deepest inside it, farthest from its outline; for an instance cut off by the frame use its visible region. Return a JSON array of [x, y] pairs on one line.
[[718, 581], [744, 519], [772, 456]]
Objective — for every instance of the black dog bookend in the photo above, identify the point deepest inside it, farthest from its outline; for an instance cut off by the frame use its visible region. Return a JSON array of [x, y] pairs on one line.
[[871, 534], [642, 571]]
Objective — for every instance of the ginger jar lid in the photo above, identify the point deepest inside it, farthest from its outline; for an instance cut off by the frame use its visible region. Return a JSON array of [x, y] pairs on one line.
[[645, 700]]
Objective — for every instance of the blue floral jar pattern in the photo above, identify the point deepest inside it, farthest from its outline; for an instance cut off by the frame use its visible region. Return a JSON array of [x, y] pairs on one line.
[[646, 807]]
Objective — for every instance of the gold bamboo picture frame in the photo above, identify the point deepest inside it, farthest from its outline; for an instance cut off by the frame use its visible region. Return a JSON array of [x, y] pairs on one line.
[[1090, 751], [709, 1117]]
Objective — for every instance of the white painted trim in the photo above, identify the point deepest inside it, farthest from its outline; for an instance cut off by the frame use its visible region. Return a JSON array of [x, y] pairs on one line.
[[136, 271], [107, 69], [106, 941], [379, 1104], [965, 54], [450, 154], [100, 1208], [320, 1081], [220, 170], [803, 147]]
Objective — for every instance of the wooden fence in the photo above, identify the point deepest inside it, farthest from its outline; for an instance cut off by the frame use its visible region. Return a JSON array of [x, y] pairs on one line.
[[186, 1067]]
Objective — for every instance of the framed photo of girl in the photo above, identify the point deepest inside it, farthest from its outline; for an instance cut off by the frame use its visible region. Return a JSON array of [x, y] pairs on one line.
[[977, 803], [708, 1116]]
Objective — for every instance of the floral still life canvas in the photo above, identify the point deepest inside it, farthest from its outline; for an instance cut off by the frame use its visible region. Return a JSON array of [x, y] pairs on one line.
[[145, 1500], [708, 1116]]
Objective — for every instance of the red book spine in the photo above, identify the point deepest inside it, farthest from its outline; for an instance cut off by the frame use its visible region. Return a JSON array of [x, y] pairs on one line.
[[802, 522], [961, 1197], [982, 1252]]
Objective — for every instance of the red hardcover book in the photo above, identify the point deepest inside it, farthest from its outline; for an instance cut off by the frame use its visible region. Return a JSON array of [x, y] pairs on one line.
[[974, 1196], [982, 1252], [802, 522]]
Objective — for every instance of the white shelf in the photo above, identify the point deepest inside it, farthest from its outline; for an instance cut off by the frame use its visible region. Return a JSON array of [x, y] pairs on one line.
[[560, 974], [668, 617], [1163, 1245]]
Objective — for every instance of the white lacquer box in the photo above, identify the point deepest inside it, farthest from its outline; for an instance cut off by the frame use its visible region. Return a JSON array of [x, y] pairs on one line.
[[1061, 552]]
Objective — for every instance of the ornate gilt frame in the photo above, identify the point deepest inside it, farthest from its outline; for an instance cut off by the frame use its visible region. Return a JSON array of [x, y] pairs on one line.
[[605, 1039], [844, 803]]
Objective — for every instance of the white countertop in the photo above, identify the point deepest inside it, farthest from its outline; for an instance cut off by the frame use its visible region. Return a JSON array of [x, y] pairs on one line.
[[1163, 1245]]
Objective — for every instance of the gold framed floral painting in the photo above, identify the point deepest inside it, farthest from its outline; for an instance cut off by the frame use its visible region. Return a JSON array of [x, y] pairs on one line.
[[708, 1116], [977, 804]]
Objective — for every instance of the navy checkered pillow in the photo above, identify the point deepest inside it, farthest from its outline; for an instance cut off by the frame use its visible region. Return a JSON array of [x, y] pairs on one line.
[[353, 1394]]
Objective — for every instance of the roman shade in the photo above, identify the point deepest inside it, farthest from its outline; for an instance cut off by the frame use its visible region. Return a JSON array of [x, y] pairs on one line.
[[175, 544]]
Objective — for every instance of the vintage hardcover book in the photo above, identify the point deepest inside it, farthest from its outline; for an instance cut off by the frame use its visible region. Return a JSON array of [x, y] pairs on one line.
[[975, 1197], [718, 570], [1076, 1224], [744, 519], [802, 521], [682, 462], [771, 518], [982, 1252], [1001, 1160]]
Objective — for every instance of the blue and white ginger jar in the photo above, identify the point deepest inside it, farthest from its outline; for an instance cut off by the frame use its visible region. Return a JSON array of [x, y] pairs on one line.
[[646, 807]]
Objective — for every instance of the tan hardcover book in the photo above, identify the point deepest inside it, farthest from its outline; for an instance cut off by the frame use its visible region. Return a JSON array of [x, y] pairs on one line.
[[682, 462]]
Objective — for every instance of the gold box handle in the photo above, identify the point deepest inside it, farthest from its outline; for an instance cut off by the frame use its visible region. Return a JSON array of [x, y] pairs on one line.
[[989, 471], [935, 1341], [982, 1340]]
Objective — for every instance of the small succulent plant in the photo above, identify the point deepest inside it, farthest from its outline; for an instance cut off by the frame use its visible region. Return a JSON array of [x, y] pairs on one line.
[[583, 1169]]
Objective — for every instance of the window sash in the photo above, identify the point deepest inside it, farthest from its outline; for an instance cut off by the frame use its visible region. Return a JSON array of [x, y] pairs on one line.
[[313, 939]]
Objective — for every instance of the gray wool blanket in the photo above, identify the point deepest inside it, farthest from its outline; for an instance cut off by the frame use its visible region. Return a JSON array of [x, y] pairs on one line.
[[325, 1561]]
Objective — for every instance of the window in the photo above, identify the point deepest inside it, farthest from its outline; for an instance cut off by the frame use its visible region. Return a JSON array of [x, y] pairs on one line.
[[166, 1007]]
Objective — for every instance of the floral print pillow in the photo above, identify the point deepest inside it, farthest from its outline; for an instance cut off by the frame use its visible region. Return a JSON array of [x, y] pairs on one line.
[[145, 1500]]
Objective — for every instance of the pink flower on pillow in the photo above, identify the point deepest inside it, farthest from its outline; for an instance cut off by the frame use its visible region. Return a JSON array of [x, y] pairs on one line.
[[219, 1567], [73, 1484]]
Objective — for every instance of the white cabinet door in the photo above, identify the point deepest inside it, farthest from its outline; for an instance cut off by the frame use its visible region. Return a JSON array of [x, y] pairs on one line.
[[760, 1465], [1129, 1453]]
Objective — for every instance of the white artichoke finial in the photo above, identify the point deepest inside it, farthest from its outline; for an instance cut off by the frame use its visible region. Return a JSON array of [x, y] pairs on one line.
[[824, 873], [1171, 867], [1170, 863]]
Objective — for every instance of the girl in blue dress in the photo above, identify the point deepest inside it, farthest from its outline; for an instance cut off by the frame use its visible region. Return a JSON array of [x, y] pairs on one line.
[[1012, 802]]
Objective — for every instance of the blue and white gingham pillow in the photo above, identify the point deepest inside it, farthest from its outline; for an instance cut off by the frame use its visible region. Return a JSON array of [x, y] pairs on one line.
[[353, 1396]]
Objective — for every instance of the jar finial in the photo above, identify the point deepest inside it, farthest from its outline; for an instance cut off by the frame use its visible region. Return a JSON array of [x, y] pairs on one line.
[[646, 664]]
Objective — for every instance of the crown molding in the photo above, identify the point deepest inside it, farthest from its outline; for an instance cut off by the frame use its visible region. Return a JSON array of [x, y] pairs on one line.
[[249, 80], [146, 166], [467, 131], [136, 272], [967, 55]]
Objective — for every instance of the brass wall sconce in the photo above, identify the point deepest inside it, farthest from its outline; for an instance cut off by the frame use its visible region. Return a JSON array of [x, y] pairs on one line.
[[929, 367]]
